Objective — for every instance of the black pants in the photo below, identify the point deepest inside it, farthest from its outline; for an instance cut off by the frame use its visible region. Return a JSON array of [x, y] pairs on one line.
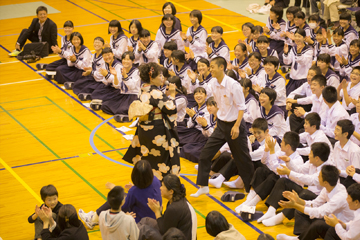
[[348, 181], [331, 234], [230, 169], [309, 229], [221, 161], [104, 207], [285, 184], [264, 181], [357, 16], [306, 3], [238, 147], [25, 35]]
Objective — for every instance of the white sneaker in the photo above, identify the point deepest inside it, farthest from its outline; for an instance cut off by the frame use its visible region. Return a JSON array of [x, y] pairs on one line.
[[86, 217]]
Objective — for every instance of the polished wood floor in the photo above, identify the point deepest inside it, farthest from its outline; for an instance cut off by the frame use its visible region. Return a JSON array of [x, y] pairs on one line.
[[45, 130]]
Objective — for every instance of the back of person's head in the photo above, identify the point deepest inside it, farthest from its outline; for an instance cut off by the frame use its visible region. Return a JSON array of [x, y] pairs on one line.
[[346, 127], [278, 11], [142, 174], [292, 10], [300, 15], [330, 174], [324, 57], [260, 123], [272, 60], [115, 197], [271, 93], [41, 8], [211, 102], [67, 217], [354, 191], [345, 16], [339, 32], [220, 61], [265, 236], [320, 79], [177, 81], [292, 138], [231, 74], [128, 53], [196, 13], [313, 119], [149, 70], [165, 72], [329, 94], [246, 83], [317, 70], [172, 182], [144, 33], [321, 150], [263, 39], [174, 234], [178, 55], [69, 23], [216, 223], [171, 45], [48, 191]]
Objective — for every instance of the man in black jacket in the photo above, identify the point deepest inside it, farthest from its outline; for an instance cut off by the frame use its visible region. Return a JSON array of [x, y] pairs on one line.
[[42, 29]]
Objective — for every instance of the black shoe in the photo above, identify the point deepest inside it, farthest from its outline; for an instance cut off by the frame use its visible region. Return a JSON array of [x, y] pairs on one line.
[[121, 118], [284, 69], [41, 66], [287, 76], [68, 85], [84, 96]]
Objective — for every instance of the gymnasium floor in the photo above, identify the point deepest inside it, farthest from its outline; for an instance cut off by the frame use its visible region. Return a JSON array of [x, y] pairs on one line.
[[47, 134]]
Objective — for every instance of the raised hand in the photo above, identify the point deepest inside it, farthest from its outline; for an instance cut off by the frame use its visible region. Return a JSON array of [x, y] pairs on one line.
[[72, 58], [123, 72], [191, 75]]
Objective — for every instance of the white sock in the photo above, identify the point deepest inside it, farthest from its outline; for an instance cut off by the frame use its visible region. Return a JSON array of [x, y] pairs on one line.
[[254, 201], [238, 183], [275, 220], [250, 196], [285, 237], [196, 166], [217, 182], [201, 191], [134, 123], [271, 212], [95, 218]]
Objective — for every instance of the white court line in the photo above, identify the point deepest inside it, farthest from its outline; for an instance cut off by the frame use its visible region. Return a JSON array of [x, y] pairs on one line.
[[37, 79]]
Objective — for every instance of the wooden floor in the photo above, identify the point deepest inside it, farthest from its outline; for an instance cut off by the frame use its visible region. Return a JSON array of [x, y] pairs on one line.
[[45, 130]]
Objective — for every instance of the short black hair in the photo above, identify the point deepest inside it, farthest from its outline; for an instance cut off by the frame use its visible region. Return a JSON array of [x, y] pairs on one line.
[[272, 60], [292, 138], [41, 8], [321, 150], [292, 10], [257, 28], [356, 68], [107, 50], [299, 14], [115, 197], [346, 127], [231, 74], [220, 61], [48, 191], [324, 57], [278, 11], [265, 236], [128, 53], [242, 46], [217, 29], [174, 234], [271, 93], [247, 24], [216, 223], [137, 25], [99, 39], [317, 70], [144, 33], [171, 45], [345, 16], [211, 102], [319, 31], [319, 78], [77, 34], [200, 90], [196, 13], [329, 94], [166, 17], [257, 55], [314, 17], [313, 119], [330, 174], [260, 123], [142, 174], [263, 39], [179, 55], [301, 32], [115, 23], [173, 9], [354, 191], [339, 32], [69, 23], [205, 61], [355, 42]]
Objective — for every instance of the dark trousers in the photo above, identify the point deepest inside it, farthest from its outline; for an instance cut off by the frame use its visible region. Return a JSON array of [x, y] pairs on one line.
[[331, 234], [221, 161], [238, 147], [52, 66], [294, 84], [348, 181], [306, 3], [25, 35], [357, 16], [309, 229], [104, 207], [264, 181], [285, 184]]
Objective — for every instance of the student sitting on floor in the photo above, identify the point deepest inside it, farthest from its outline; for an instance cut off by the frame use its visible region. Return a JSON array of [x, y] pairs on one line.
[[240, 61], [146, 49], [263, 47], [218, 47], [135, 28], [166, 60], [256, 32], [353, 60], [118, 40], [256, 72], [202, 79], [355, 118], [251, 102], [323, 62], [349, 31], [217, 226], [309, 214], [347, 92]]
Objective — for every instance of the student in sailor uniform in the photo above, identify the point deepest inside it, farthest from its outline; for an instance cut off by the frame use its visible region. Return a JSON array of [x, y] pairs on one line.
[[272, 113], [169, 8], [92, 77], [195, 37], [252, 104], [314, 24], [111, 70], [300, 58], [78, 57], [263, 47], [256, 32], [246, 29], [135, 29], [355, 118], [323, 62], [320, 41], [352, 61], [167, 32], [348, 92], [339, 48], [240, 61], [256, 72], [65, 44], [146, 49], [118, 40], [300, 23], [166, 75], [180, 99], [166, 60], [129, 86], [218, 47], [201, 79], [349, 31], [192, 150]]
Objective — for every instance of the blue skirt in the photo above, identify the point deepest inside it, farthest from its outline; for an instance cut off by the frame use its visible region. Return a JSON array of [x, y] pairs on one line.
[[119, 104], [105, 92], [86, 85], [64, 73]]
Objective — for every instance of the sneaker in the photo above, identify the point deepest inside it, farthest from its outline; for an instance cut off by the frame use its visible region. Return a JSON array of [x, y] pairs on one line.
[[86, 217], [14, 53], [68, 85], [41, 66]]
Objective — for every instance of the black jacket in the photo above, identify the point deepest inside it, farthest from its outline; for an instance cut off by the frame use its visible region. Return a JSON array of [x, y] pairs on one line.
[[48, 34]]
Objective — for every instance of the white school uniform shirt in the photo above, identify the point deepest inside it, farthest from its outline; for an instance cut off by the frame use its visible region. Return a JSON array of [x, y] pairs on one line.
[[272, 161], [318, 105], [252, 109], [221, 50], [133, 43], [98, 63], [292, 29], [181, 104], [161, 38], [229, 97], [332, 50], [110, 77], [306, 174], [350, 34], [242, 65], [278, 84], [204, 84], [346, 156], [327, 203], [198, 43], [306, 138], [258, 153], [270, 52], [352, 231], [353, 92], [356, 121], [347, 69], [131, 84], [168, 64], [331, 117], [150, 54], [276, 121], [300, 62], [258, 77], [65, 45], [83, 57], [317, 49], [332, 79], [199, 112], [274, 33], [303, 90], [119, 45], [184, 77]]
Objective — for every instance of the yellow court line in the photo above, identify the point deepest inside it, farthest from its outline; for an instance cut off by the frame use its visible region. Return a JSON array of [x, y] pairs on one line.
[[21, 181], [204, 15]]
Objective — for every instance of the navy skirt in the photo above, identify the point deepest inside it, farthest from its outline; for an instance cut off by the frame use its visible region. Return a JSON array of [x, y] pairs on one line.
[[64, 73], [119, 104], [86, 85], [105, 92], [52, 66]]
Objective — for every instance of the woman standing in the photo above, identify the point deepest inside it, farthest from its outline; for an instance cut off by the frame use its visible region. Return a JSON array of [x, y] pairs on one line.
[[155, 137]]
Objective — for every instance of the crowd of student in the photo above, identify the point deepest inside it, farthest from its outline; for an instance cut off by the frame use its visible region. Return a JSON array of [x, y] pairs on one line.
[[233, 117]]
